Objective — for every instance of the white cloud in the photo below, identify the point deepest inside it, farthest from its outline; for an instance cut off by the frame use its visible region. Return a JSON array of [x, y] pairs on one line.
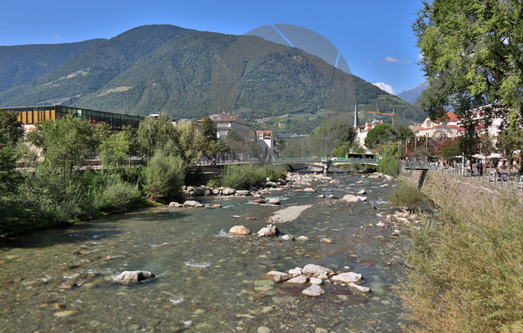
[[385, 87], [57, 37], [420, 56], [391, 59]]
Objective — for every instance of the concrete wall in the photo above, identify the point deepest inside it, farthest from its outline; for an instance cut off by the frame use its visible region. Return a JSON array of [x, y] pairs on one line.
[[447, 189]]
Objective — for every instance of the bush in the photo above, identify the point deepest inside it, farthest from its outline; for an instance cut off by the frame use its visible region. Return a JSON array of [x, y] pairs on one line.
[[389, 166], [242, 176], [407, 195], [466, 268], [275, 174], [213, 183], [119, 196], [164, 176]]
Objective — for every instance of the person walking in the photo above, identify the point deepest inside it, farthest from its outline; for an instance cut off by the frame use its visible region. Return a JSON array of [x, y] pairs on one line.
[[479, 167]]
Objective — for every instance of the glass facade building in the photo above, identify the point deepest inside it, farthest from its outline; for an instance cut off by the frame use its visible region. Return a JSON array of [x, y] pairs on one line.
[[36, 114]]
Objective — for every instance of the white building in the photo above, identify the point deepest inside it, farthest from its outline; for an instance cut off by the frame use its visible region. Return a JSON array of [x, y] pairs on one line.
[[225, 122], [362, 131], [447, 127], [266, 140]]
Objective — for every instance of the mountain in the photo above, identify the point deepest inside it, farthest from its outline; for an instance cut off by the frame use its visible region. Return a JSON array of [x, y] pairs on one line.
[[412, 95], [24, 63], [190, 74]]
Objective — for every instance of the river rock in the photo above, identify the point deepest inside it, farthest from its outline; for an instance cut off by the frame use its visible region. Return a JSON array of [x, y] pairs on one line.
[[385, 185], [274, 201], [287, 238], [335, 182], [316, 270], [381, 225], [360, 182], [191, 203], [347, 277], [321, 196], [362, 192], [269, 230], [258, 201], [242, 193], [309, 190], [314, 291], [360, 288], [271, 184], [129, 277], [332, 196], [198, 205], [303, 238], [65, 313], [228, 191], [300, 279], [325, 241], [279, 276], [175, 205], [239, 230], [315, 280], [353, 198], [295, 271], [216, 191], [216, 206]]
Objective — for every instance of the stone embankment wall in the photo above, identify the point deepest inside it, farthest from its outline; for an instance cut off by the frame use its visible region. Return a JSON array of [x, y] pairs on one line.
[[447, 189]]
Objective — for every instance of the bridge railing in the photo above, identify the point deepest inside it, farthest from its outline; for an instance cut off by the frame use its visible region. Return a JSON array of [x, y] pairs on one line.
[[354, 160]]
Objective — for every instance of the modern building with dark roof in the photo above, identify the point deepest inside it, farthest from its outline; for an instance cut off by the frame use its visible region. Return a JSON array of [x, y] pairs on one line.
[[30, 115]]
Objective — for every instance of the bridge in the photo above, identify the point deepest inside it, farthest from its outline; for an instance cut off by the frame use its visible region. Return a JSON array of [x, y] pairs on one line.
[[326, 162]]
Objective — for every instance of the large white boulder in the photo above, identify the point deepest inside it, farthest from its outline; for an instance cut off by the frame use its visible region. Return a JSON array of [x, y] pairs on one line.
[[191, 203], [239, 230], [314, 291], [316, 270], [269, 230], [353, 198], [129, 277], [279, 276], [347, 277]]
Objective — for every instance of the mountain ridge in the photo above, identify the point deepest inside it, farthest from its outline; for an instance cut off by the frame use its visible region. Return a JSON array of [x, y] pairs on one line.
[[189, 74]]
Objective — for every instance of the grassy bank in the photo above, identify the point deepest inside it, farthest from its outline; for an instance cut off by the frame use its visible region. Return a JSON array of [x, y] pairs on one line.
[[466, 268]]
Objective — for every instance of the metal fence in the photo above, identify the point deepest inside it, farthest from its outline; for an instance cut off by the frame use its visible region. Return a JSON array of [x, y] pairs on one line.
[[510, 179]]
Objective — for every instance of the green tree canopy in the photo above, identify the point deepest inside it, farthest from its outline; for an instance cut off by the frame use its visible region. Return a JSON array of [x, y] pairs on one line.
[[472, 58], [154, 133], [66, 143], [209, 130], [10, 128]]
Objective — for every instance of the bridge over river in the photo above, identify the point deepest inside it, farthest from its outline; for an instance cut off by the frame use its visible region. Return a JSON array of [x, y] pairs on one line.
[[326, 162]]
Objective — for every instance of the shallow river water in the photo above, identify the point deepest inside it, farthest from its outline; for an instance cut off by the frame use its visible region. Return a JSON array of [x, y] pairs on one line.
[[62, 280]]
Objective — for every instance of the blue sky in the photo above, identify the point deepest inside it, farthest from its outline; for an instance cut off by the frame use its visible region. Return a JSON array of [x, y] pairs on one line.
[[374, 37]]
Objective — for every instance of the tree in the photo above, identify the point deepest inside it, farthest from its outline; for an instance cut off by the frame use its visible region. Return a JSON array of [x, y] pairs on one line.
[[381, 134], [209, 130], [67, 143], [114, 151], [10, 128], [155, 133], [190, 142], [472, 58], [235, 142]]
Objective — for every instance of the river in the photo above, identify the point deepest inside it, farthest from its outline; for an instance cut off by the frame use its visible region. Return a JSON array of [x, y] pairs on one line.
[[62, 280]]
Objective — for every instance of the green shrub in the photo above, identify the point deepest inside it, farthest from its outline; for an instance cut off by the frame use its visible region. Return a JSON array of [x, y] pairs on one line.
[[407, 195], [241, 176], [213, 183], [119, 196], [274, 173], [164, 176], [389, 166], [232, 176], [466, 268]]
